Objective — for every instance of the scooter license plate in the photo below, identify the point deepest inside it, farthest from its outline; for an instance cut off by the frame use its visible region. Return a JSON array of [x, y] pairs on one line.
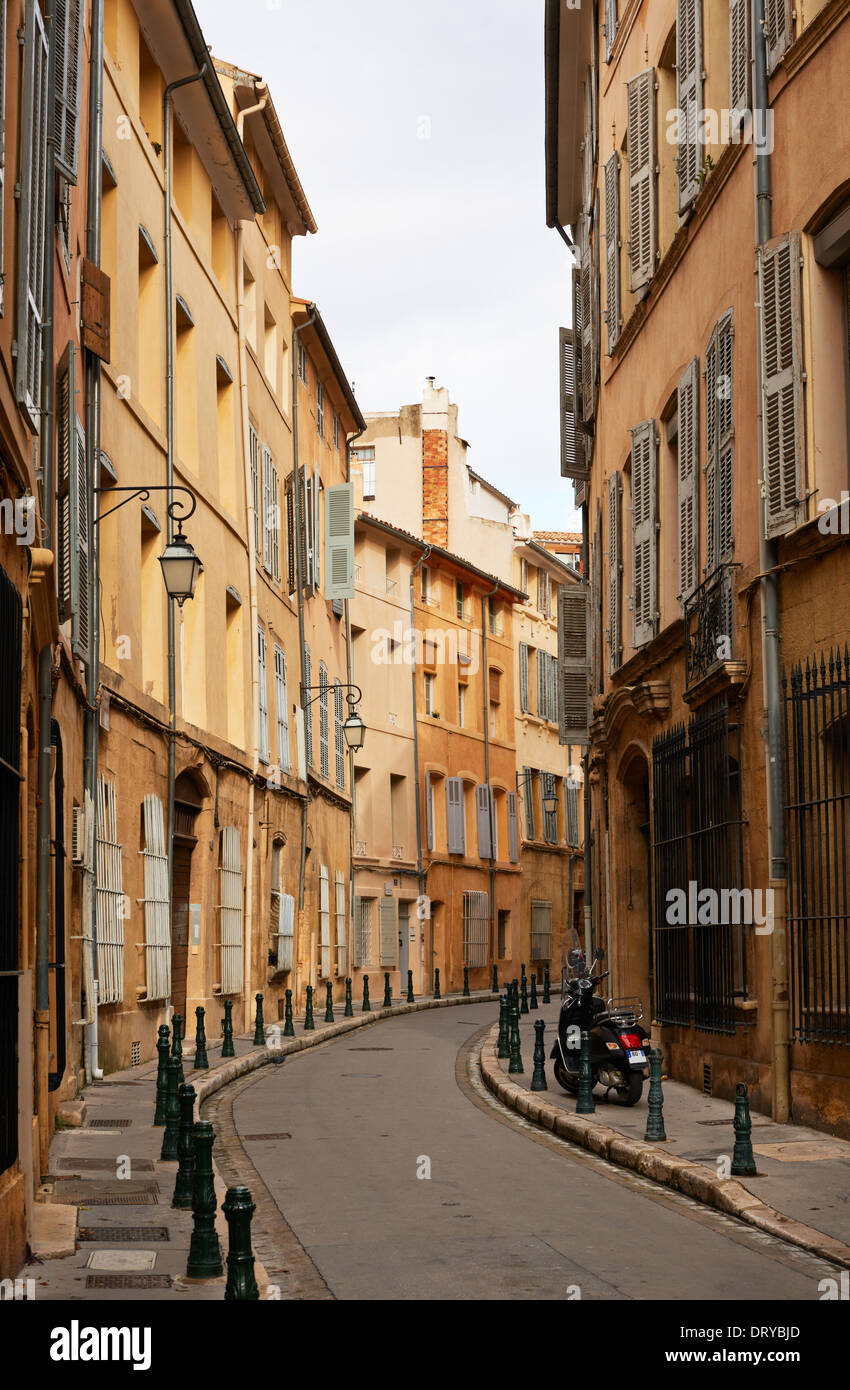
[[637, 1058]]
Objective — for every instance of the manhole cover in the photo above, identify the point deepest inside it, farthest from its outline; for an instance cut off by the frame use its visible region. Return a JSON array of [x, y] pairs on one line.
[[256, 1137], [119, 1235], [122, 1261], [105, 1194], [128, 1281], [108, 1124], [73, 1165]]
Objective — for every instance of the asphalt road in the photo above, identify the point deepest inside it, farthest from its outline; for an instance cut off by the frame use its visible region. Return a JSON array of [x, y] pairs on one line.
[[507, 1213]]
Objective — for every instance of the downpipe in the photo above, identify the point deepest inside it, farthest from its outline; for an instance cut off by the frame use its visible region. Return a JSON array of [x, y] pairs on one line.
[[417, 781]]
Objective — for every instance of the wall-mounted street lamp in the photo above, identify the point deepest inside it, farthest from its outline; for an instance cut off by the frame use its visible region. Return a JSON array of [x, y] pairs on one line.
[[550, 799], [354, 730], [181, 565]]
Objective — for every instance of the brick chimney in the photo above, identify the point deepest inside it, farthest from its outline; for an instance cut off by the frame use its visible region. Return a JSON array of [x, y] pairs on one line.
[[435, 464]]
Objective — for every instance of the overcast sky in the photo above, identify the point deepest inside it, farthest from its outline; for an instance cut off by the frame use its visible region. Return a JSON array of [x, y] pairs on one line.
[[417, 131]]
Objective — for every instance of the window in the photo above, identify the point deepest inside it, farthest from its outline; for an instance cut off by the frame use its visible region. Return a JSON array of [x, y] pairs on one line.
[[325, 921], [320, 409], [339, 914], [365, 457], [612, 250], [430, 683], [429, 812], [324, 728], [644, 538], [523, 575], [73, 533], [719, 444], [528, 797], [32, 215], [460, 600], [610, 27], [461, 706], [254, 444], [541, 931], [687, 447], [739, 60], [485, 821], [271, 358], [571, 830], [689, 63], [262, 699], [572, 663], [339, 541], [271, 517], [513, 831], [308, 709], [388, 931], [492, 619], [339, 736], [230, 910], [282, 709], [641, 140], [543, 593], [476, 929], [363, 931], [302, 362], [523, 677], [426, 584], [336, 430], [502, 933], [156, 902], [455, 816], [281, 915], [110, 898], [780, 294], [615, 569], [550, 818]]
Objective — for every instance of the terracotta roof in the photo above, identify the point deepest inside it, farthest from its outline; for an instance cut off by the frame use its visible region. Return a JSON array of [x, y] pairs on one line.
[[559, 537]]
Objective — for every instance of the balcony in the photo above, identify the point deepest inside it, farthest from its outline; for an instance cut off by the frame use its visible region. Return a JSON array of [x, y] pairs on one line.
[[710, 657], [398, 851], [392, 586]]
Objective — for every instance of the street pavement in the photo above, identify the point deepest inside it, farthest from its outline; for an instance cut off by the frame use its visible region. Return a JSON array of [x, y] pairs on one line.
[[403, 1179]]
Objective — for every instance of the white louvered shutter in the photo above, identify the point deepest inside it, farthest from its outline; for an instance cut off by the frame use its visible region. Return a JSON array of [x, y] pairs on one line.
[[725, 439], [641, 140], [513, 829], [110, 908], [610, 27], [689, 97], [286, 932], [782, 355], [612, 249], [73, 528], [282, 708], [68, 46], [325, 920], [615, 638], [688, 481], [157, 906], [32, 215], [739, 58], [254, 446], [308, 708], [230, 911], [339, 541], [573, 454], [324, 722], [266, 530], [455, 820], [388, 931], [778, 28], [429, 812], [644, 546], [482, 808], [339, 736], [572, 664], [523, 677], [262, 698], [339, 913]]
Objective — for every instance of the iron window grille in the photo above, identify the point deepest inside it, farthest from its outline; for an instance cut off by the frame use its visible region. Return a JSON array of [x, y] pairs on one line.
[[709, 625]]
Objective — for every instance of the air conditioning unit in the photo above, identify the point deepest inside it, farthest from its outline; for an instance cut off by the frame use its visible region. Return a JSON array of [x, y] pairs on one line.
[[78, 837]]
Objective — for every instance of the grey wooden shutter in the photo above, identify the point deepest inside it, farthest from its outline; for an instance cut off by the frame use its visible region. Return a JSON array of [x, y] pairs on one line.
[[615, 637], [324, 721], [429, 812], [513, 834], [725, 439], [711, 527], [528, 797], [612, 249], [2, 149], [388, 931], [73, 521], [339, 734], [308, 708], [262, 698], [482, 806], [523, 677], [578, 367], [644, 547], [782, 355], [587, 141], [68, 45], [339, 541], [588, 327], [689, 97], [778, 28], [688, 481], [455, 822], [32, 214], [610, 27], [595, 604], [289, 499], [266, 529], [572, 664], [739, 58], [641, 155], [573, 459], [306, 513], [541, 685]]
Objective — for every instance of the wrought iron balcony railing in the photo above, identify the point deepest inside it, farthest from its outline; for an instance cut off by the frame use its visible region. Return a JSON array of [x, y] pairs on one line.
[[709, 637]]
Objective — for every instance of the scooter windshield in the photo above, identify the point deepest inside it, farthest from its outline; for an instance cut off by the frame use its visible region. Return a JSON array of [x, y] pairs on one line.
[[576, 961]]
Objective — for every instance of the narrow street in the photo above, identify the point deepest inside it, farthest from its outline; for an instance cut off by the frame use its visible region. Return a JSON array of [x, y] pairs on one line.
[[508, 1213]]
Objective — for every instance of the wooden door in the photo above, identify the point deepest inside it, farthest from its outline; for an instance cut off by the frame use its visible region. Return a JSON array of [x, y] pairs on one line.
[[180, 929]]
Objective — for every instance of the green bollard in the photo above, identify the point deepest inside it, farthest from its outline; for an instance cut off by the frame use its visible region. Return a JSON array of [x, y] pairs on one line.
[[495, 979], [437, 994], [177, 1044], [743, 1158], [309, 1021], [163, 1047], [238, 1209], [411, 999], [524, 994], [523, 981], [466, 982], [388, 997], [329, 1002], [655, 1100], [185, 1149], [515, 1063], [168, 1152], [367, 1003], [538, 1077], [288, 1025], [204, 1249], [513, 997], [533, 1004], [201, 1060], [349, 1007], [227, 1048], [259, 1031], [502, 1048], [585, 1105], [547, 998]]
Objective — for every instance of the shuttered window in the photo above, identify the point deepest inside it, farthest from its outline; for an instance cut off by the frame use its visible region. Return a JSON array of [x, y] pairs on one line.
[[778, 29], [254, 446], [573, 458], [68, 45], [739, 59], [719, 444], [688, 479], [339, 541], [389, 931], [513, 829], [110, 898], [284, 920], [476, 928], [339, 736], [549, 787], [689, 97], [339, 915], [572, 663], [362, 931], [299, 530], [308, 709], [230, 910], [644, 539], [571, 832], [429, 812], [612, 249], [271, 516], [782, 355], [262, 698], [282, 708], [541, 931], [528, 797], [641, 142], [610, 27], [32, 215], [455, 817], [325, 921], [156, 902], [523, 677], [72, 507], [483, 805], [589, 318], [324, 722], [615, 634]]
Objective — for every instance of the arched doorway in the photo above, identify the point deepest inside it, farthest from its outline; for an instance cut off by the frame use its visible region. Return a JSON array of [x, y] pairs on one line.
[[188, 802]]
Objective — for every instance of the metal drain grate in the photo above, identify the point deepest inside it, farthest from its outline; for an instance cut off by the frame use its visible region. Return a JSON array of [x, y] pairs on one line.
[[371, 1049], [105, 1194], [87, 1164], [135, 1054], [706, 1078], [108, 1124], [128, 1281], [265, 1136], [119, 1235]]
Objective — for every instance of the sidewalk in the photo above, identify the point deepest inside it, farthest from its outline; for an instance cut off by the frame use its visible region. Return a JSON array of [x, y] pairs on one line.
[[803, 1174], [109, 1193]]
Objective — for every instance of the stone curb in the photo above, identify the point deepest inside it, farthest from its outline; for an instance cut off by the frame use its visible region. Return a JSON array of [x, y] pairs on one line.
[[693, 1179]]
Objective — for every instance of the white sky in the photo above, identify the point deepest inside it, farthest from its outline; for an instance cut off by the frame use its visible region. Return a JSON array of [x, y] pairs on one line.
[[432, 256]]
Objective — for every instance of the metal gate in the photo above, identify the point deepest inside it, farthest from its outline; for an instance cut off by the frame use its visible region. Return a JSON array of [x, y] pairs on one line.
[[10, 783]]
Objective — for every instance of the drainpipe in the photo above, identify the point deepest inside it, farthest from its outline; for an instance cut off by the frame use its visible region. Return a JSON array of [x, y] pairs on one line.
[[420, 874], [484, 598], [299, 582], [92, 376], [169, 436], [352, 820], [588, 942], [768, 557]]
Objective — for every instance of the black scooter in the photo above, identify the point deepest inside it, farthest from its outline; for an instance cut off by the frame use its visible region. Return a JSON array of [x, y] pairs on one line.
[[617, 1042]]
